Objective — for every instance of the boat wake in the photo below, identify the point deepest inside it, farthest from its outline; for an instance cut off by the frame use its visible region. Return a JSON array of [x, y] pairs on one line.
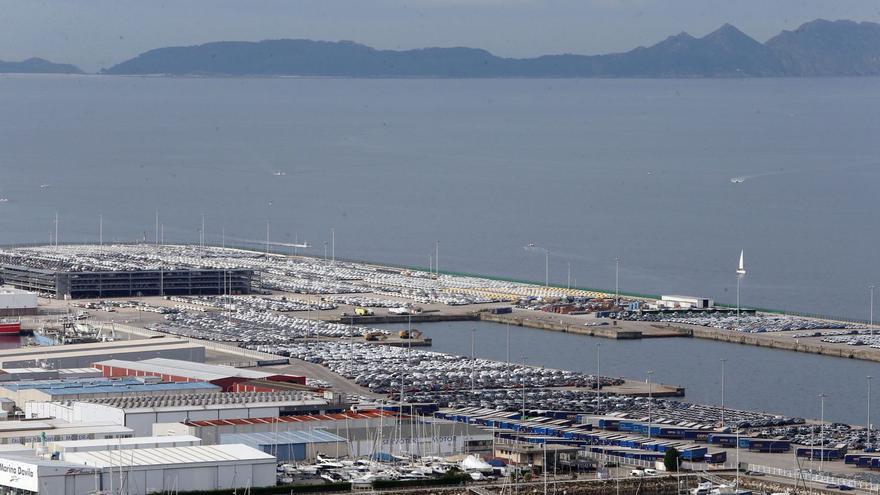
[[742, 178]]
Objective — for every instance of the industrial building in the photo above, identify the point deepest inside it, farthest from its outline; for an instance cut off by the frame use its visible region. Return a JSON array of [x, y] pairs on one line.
[[84, 355], [92, 388], [151, 470], [123, 443], [292, 445], [141, 413], [367, 433], [172, 370], [685, 302], [16, 302], [18, 374], [93, 282], [51, 430]]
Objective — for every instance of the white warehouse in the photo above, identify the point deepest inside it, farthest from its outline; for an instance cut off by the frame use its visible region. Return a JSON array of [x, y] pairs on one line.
[[15, 302], [151, 470]]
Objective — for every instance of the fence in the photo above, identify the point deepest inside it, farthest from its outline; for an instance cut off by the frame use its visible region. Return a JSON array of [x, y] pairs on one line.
[[800, 474]]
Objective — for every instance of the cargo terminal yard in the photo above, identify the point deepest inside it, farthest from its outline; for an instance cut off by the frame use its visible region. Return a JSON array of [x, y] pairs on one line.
[[276, 361]]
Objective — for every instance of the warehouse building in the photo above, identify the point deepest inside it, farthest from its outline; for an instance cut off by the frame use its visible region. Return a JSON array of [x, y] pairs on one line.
[[292, 445], [18, 374], [153, 470], [685, 302], [84, 355], [173, 370], [97, 283], [123, 443], [16, 302], [95, 388], [141, 413], [52, 430], [360, 429]]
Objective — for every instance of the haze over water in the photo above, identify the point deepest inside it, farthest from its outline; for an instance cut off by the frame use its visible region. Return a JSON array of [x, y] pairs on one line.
[[591, 169]]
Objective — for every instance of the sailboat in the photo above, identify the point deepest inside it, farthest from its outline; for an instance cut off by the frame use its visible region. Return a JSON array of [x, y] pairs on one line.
[[741, 269]]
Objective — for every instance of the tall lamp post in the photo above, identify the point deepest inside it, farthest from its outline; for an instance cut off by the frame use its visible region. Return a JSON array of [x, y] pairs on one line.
[[650, 403], [822, 428], [546, 252], [868, 440], [617, 280], [871, 310], [723, 360], [740, 273]]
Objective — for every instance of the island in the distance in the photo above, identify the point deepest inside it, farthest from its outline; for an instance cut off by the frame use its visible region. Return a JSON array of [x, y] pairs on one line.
[[817, 48], [37, 66]]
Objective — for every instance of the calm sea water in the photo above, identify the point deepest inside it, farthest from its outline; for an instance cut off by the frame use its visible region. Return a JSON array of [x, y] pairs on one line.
[[591, 169], [759, 379]]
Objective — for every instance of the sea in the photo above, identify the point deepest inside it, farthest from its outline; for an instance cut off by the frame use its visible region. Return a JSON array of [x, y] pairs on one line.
[[755, 378], [672, 177]]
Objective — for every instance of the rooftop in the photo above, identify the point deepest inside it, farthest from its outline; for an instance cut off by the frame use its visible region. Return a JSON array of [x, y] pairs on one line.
[[95, 347], [176, 367], [170, 455], [114, 442], [291, 419], [103, 386], [280, 438], [209, 401]]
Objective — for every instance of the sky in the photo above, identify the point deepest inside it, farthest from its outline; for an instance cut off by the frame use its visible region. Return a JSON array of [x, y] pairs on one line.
[[94, 34]]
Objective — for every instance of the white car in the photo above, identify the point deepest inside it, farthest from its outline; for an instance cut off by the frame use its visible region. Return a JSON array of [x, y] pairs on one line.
[[637, 473]]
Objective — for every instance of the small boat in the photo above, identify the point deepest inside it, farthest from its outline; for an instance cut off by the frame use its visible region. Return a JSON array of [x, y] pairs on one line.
[[45, 186], [279, 173], [738, 180], [4, 200]]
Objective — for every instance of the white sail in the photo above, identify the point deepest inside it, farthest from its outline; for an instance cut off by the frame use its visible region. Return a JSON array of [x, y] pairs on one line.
[[741, 270]]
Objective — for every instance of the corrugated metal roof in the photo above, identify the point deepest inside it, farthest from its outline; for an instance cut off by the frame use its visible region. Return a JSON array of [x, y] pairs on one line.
[[292, 419], [102, 386], [170, 456], [280, 438], [112, 442], [198, 371]]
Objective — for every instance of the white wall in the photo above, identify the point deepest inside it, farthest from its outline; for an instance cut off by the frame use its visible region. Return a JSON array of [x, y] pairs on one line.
[[18, 300]]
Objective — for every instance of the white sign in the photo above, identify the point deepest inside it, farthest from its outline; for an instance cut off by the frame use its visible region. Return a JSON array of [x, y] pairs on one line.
[[19, 475]]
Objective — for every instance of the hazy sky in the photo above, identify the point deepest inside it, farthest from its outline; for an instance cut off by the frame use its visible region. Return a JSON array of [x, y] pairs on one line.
[[99, 33]]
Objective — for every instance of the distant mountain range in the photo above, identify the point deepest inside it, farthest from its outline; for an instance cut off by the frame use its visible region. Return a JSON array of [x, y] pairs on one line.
[[37, 66], [817, 48]]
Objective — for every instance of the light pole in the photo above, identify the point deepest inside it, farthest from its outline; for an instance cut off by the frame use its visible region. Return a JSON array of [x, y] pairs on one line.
[[508, 343], [598, 376], [523, 415], [617, 280], [546, 261], [333, 244], [723, 360], [650, 404], [569, 275], [868, 440], [822, 429], [325, 251], [740, 273], [871, 311]]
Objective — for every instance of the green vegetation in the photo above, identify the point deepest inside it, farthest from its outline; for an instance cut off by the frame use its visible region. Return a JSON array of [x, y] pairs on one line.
[[672, 459]]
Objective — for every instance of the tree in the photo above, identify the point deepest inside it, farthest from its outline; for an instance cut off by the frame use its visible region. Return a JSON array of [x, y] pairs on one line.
[[671, 459]]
